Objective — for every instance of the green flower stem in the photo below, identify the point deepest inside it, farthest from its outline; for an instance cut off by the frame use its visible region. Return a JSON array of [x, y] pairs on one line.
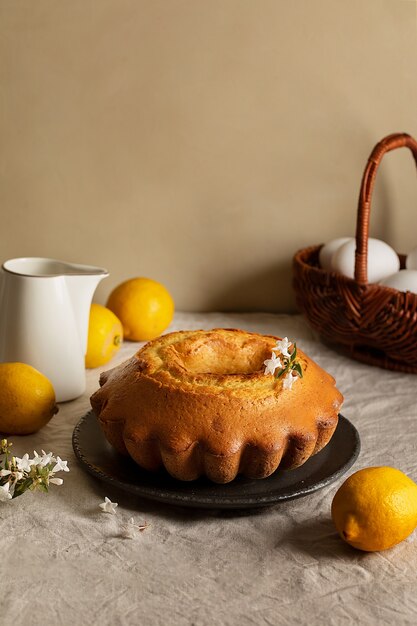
[[291, 365]]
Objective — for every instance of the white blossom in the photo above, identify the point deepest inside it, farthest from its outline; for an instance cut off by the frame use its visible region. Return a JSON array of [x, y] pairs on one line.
[[129, 529], [289, 380], [60, 466], [108, 506], [5, 492], [37, 460], [24, 464], [282, 347], [47, 457], [14, 476], [272, 364]]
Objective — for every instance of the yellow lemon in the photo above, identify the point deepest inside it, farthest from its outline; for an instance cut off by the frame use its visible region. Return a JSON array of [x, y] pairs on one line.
[[375, 508], [27, 399], [144, 306], [105, 335]]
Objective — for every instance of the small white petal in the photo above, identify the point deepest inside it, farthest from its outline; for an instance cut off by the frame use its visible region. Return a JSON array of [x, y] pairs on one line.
[[289, 380], [108, 506], [127, 532], [130, 529], [49, 455], [37, 460], [60, 466], [56, 481], [5, 492]]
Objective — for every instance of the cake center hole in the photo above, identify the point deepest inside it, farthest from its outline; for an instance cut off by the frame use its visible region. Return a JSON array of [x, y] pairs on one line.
[[221, 357]]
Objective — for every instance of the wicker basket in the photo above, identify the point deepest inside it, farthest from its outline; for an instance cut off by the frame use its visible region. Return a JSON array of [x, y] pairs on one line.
[[372, 323]]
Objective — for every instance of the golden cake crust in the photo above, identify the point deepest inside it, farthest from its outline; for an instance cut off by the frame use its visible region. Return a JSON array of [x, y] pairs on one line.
[[199, 403]]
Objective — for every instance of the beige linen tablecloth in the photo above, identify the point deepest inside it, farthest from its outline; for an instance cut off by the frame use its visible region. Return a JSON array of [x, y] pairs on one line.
[[64, 562]]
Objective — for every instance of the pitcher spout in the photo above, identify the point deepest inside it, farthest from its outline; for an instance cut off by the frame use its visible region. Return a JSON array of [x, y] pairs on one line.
[[81, 287]]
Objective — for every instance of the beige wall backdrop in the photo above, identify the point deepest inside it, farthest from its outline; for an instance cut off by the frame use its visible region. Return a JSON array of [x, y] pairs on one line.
[[201, 143]]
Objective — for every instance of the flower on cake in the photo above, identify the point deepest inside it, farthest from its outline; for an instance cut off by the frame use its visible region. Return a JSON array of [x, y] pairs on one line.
[[289, 367], [289, 380], [272, 364], [282, 347]]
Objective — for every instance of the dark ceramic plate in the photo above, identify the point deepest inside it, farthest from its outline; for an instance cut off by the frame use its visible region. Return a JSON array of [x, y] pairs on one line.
[[100, 460]]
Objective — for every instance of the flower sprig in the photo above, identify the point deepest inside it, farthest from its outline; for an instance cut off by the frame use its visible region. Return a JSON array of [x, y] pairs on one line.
[[289, 368], [18, 475]]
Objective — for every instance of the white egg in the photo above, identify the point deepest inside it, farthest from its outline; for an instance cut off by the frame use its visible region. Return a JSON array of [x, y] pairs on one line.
[[404, 280], [382, 260], [328, 250], [411, 260]]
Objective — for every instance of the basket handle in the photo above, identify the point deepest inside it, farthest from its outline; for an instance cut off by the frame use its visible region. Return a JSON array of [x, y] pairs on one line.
[[391, 142]]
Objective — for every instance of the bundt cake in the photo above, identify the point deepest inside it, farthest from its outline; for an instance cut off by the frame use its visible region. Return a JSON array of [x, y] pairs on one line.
[[217, 403]]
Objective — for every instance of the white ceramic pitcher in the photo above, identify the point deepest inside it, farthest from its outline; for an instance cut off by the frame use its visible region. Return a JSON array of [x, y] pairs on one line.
[[44, 314]]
